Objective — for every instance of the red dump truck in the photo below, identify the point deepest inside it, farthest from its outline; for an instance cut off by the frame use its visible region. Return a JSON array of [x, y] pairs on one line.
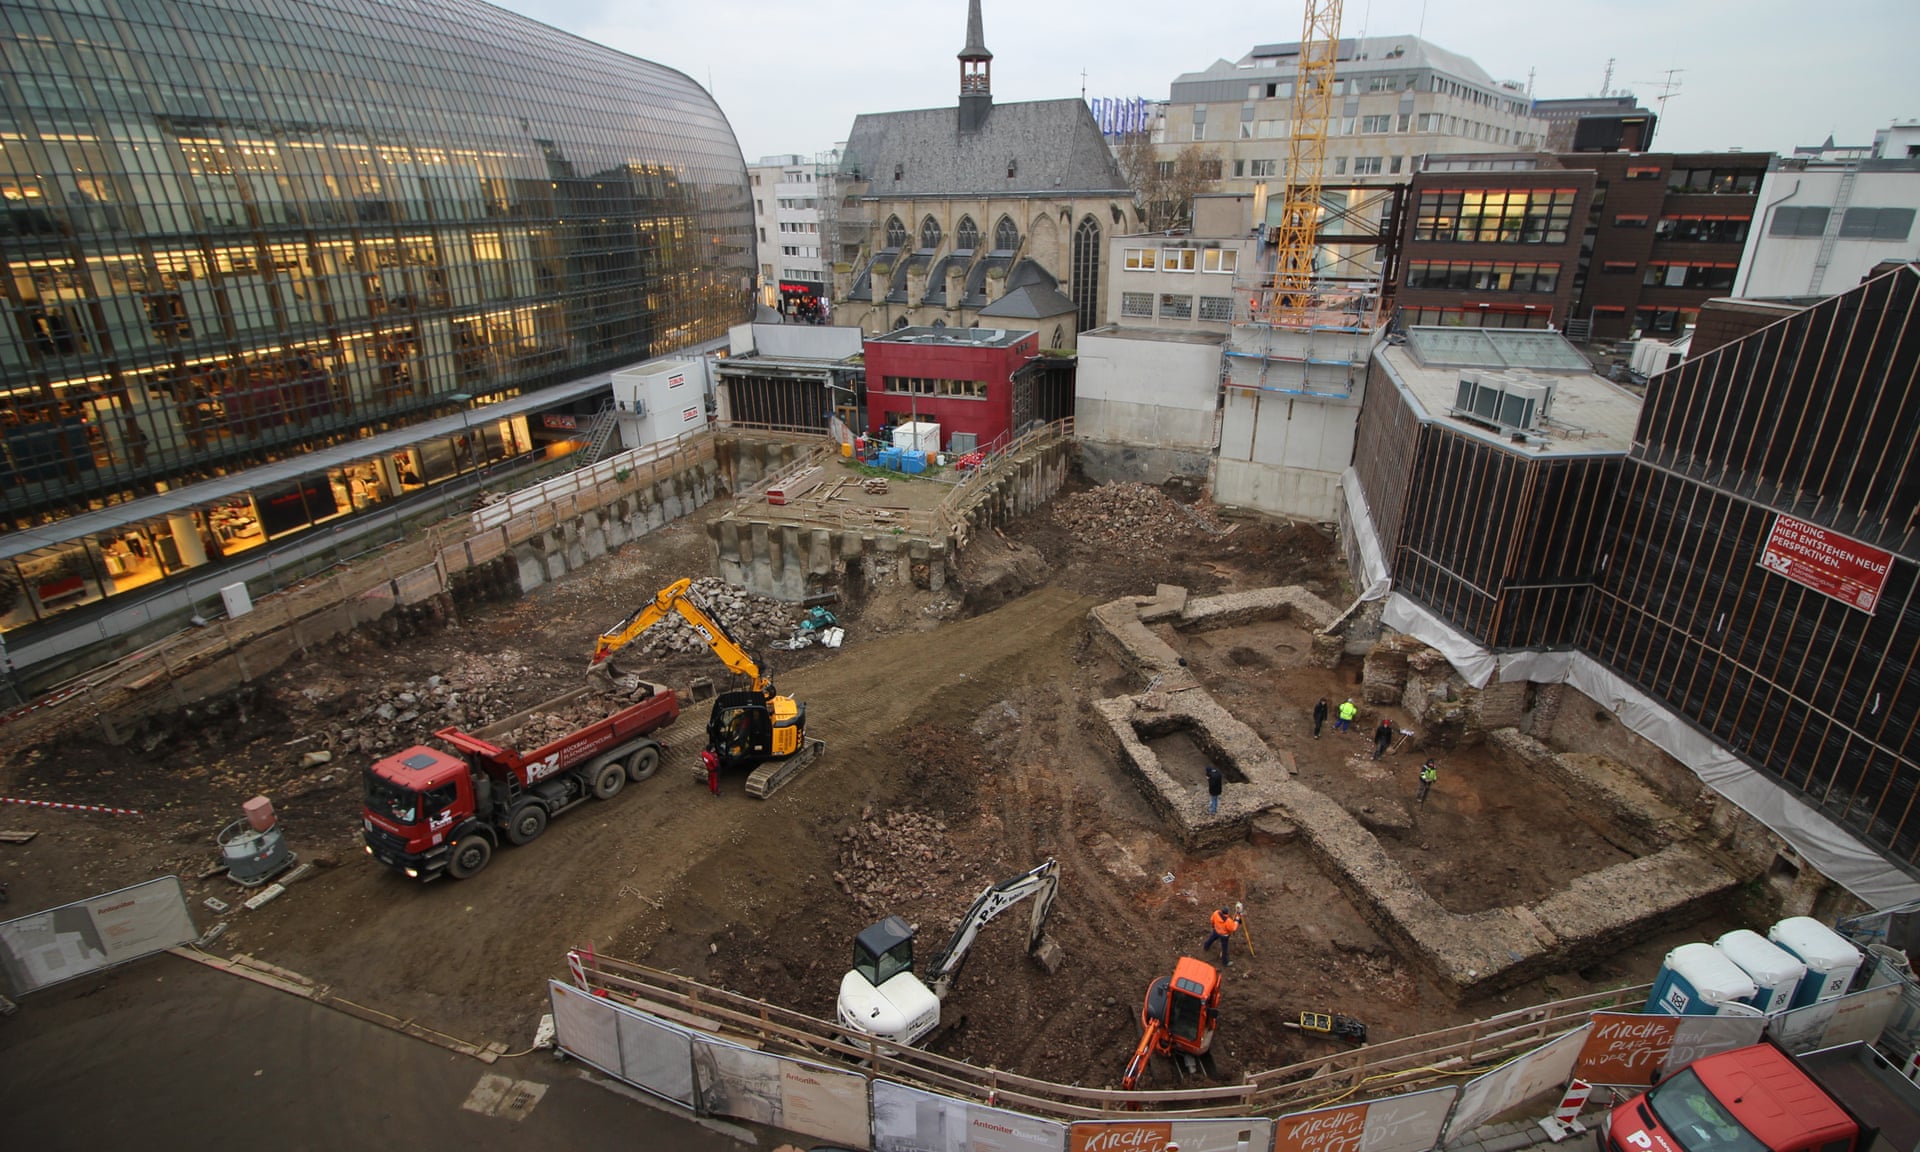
[[428, 813], [1760, 1099]]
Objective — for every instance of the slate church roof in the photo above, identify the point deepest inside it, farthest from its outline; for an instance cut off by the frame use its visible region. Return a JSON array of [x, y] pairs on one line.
[[1035, 147]]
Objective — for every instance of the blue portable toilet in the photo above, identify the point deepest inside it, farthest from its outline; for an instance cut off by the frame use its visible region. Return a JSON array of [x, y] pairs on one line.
[[1699, 980], [1774, 970], [890, 458], [1831, 961]]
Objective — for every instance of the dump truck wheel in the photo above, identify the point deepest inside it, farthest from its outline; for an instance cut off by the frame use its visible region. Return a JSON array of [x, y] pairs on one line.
[[643, 762], [469, 856], [525, 823], [608, 779]]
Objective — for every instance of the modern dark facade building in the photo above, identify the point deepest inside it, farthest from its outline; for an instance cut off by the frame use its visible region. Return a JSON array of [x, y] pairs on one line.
[[1764, 545], [1650, 239], [1596, 124], [238, 233]]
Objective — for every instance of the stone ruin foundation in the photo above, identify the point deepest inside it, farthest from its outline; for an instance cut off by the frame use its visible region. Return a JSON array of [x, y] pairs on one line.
[[1669, 883]]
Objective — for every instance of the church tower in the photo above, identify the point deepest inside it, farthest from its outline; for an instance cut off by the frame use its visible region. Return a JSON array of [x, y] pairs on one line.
[[976, 74]]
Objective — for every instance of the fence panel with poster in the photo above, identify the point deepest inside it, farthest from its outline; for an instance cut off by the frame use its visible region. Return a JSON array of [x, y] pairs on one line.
[[1517, 1081], [1160, 1134], [1410, 1123], [911, 1120], [46, 948], [1842, 1020], [1628, 1050], [645, 1052], [797, 1096]]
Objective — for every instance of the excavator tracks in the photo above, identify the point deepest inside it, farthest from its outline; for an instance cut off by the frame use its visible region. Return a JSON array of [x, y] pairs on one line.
[[774, 774]]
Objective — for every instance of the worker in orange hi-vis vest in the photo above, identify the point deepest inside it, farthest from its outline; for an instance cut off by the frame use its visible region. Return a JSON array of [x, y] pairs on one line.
[[1225, 924]]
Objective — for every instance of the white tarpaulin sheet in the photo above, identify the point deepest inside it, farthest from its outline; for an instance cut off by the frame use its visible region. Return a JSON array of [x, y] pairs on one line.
[[1373, 561], [910, 1120], [1163, 1134], [74, 939], [1824, 844], [793, 1095], [1842, 1020], [1516, 1082], [655, 1056], [623, 1042]]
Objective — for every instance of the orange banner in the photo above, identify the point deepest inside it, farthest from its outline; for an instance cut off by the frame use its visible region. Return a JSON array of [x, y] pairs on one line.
[[1624, 1049], [1328, 1130], [1120, 1137]]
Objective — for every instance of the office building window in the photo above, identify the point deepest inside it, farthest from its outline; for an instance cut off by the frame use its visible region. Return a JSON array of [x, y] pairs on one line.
[[1263, 168], [1876, 224], [1715, 276], [1178, 260], [1218, 308], [1495, 215], [1629, 221], [1701, 229], [1136, 304], [1459, 276], [1367, 165], [1219, 260], [1791, 221], [1371, 124], [935, 386], [1643, 173], [1176, 307], [1140, 259], [1710, 181]]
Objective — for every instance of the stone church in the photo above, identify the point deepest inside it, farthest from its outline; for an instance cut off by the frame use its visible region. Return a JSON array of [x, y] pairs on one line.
[[980, 214]]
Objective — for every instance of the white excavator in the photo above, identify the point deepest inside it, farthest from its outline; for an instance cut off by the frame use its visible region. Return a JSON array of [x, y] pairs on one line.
[[882, 997]]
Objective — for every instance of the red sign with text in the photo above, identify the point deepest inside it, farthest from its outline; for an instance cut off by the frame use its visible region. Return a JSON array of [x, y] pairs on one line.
[[558, 422], [1830, 564]]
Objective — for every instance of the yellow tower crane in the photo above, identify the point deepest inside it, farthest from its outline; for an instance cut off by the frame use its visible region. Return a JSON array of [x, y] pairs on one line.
[[1299, 226]]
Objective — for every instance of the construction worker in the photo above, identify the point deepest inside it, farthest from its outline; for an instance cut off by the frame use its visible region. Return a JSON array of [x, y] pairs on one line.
[[1214, 782], [1429, 772], [1319, 716], [1382, 738], [1225, 924], [1347, 712], [712, 764]]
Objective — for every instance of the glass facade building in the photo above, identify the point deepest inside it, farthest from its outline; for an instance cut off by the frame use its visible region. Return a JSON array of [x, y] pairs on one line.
[[239, 230]]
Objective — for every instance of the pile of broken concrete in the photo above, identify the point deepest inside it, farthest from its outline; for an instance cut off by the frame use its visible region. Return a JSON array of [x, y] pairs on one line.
[[903, 864], [1133, 514], [751, 619]]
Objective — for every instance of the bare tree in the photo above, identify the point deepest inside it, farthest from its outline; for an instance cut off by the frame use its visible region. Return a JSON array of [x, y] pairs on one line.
[[1165, 188]]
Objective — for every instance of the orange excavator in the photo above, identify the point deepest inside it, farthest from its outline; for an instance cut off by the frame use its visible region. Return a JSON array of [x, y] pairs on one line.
[[1178, 1020]]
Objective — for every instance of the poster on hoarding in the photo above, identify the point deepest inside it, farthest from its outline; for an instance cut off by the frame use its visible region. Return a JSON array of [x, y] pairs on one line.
[[1827, 562]]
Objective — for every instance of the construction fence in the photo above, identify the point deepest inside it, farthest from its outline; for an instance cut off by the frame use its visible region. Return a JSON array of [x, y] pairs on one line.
[[717, 1053], [60, 944]]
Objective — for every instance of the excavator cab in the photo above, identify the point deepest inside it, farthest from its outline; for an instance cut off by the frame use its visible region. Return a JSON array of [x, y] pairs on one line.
[[748, 728], [1178, 1020]]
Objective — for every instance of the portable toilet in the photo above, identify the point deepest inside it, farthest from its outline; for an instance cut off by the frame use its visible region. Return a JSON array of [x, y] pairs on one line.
[[1830, 960], [1775, 972], [1699, 980]]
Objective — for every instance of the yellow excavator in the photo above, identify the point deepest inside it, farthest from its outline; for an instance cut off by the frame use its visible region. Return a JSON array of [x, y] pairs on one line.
[[756, 728]]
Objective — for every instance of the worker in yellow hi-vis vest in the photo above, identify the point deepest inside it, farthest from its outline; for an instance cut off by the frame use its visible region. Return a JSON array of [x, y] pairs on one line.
[[1429, 772], [1348, 711]]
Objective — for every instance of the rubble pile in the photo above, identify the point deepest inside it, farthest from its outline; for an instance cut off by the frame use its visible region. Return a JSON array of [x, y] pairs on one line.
[[904, 863], [750, 619], [407, 713], [545, 727], [1133, 514]]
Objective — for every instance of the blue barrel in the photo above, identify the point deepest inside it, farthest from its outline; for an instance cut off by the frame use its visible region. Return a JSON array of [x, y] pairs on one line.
[[1831, 961], [1699, 980], [1774, 970]]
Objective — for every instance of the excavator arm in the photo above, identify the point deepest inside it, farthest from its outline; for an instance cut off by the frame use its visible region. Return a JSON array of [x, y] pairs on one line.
[[1041, 883], [678, 597], [1152, 1042]]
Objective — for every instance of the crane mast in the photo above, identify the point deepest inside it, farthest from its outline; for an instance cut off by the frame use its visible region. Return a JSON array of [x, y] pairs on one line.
[[1299, 226]]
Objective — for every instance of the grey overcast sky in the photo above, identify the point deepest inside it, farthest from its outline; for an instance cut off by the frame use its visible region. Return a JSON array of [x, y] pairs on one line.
[[1760, 75]]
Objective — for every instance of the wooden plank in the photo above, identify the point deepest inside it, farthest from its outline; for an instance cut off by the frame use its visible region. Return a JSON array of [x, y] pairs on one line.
[[13, 837]]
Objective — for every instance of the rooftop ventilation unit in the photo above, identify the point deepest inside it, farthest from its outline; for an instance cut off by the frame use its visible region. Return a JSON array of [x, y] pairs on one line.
[[1503, 401]]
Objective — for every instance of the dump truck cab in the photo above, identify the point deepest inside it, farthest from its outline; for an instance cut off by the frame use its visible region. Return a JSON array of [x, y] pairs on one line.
[[417, 803]]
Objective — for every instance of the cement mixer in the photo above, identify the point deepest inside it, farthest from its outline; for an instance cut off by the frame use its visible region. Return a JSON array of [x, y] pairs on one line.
[[252, 847]]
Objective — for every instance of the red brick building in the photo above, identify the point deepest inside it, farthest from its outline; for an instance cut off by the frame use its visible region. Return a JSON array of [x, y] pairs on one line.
[[1596, 244], [968, 380]]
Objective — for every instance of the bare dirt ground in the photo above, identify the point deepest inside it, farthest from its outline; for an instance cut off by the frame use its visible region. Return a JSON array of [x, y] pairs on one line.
[[959, 753]]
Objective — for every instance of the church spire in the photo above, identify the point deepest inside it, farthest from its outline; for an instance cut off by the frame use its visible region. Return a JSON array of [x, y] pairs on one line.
[[976, 73]]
